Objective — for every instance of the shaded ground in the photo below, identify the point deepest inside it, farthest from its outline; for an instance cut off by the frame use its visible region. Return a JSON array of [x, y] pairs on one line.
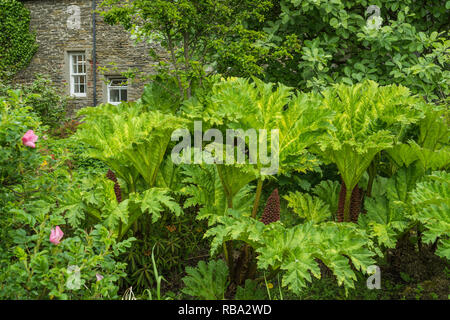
[[406, 273], [426, 276]]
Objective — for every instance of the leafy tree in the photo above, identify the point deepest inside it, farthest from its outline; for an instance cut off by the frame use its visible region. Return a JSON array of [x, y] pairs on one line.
[[194, 34], [337, 41]]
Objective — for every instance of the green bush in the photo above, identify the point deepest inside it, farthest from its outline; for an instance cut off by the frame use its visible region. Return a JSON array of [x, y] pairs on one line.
[[32, 181], [325, 42], [46, 101], [16, 118]]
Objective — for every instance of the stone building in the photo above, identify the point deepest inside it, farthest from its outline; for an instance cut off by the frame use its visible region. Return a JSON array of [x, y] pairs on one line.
[[71, 39]]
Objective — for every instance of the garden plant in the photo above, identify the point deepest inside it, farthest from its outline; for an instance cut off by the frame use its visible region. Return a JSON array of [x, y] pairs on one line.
[[350, 98]]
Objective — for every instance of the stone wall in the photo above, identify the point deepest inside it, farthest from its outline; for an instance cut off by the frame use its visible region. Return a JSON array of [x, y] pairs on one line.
[[56, 38]]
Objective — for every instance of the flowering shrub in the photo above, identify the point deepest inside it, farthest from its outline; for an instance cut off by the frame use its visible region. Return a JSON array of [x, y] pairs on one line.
[[17, 138], [37, 265], [41, 256]]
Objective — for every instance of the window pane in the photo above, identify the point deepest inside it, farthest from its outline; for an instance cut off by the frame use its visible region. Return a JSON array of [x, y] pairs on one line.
[[78, 63], [118, 82], [77, 79], [123, 95], [114, 95], [82, 84], [117, 88], [79, 84]]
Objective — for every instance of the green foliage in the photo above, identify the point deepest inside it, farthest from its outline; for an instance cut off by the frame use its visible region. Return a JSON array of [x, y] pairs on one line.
[[96, 199], [368, 119], [235, 226], [367, 116], [204, 188], [33, 180], [348, 126], [304, 44], [250, 291], [47, 103], [237, 103], [386, 215], [354, 119], [328, 192], [195, 34], [432, 207], [132, 139], [16, 118], [434, 128], [307, 207], [208, 281], [158, 280], [294, 250], [17, 43], [42, 98], [162, 96], [129, 139], [39, 269], [320, 43]]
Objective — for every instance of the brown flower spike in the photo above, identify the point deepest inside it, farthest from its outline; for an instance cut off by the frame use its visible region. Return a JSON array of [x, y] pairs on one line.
[[272, 209], [111, 176]]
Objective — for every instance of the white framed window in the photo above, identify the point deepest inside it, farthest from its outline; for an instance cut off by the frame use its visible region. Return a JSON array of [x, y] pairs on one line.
[[78, 87], [117, 90]]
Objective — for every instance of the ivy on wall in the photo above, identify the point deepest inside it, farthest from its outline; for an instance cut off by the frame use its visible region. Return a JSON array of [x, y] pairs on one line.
[[17, 42]]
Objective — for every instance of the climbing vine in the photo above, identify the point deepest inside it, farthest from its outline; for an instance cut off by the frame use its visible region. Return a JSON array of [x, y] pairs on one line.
[[17, 42]]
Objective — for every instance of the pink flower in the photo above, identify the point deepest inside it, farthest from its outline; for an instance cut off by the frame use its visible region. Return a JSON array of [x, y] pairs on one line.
[[99, 276], [56, 235], [29, 139]]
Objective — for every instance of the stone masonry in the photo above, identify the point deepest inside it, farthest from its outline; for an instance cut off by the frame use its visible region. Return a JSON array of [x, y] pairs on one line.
[[116, 52]]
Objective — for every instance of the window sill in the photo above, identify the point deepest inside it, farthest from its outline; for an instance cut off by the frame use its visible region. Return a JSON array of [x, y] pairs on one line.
[[75, 96]]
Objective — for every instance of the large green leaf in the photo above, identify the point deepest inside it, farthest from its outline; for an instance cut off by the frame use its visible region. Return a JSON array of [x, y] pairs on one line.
[[237, 103], [207, 281], [130, 140], [308, 207], [431, 200], [204, 188], [295, 250], [368, 119]]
